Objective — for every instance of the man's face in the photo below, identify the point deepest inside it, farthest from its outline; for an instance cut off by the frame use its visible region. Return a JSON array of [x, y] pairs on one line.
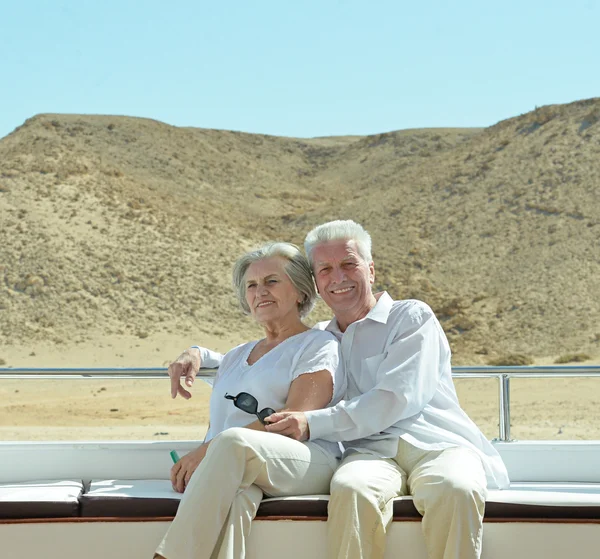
[[343, 278]]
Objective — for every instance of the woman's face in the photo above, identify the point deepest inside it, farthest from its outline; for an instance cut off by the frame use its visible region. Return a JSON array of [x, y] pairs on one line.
[[270, 293]]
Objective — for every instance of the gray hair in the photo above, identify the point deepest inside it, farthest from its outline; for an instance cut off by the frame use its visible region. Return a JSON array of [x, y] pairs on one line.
[[339, 230], [297, 269]]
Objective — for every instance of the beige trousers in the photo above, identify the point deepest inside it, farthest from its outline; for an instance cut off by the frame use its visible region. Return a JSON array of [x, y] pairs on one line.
[[219, 503], [448, 489]]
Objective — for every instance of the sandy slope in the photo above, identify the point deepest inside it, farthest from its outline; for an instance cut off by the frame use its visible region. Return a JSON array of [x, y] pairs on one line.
[[116, 225]]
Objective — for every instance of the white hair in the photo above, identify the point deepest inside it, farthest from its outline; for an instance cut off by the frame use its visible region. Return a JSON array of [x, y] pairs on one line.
[[297, 269], [347, 230]]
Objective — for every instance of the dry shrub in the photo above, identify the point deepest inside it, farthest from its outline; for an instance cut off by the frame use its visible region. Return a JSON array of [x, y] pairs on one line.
[[450, 308], [572, 358], [460, 324], [511, 359]]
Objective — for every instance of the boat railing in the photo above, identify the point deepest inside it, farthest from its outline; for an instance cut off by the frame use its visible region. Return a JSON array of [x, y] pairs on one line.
[[503, 374]]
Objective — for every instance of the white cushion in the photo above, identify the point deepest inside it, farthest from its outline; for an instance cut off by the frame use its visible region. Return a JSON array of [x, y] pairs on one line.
[[139, 488], [548, 494], [40, 491]]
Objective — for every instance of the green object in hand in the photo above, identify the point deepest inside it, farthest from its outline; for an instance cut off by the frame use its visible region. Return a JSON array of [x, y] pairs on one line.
[[174, 456]]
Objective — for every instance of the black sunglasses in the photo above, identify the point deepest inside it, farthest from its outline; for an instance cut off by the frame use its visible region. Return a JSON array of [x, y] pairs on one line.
[[248, 403]]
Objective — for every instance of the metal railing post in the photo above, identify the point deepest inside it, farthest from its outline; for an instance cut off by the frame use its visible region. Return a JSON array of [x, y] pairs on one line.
[[501, 414], [504, 408]]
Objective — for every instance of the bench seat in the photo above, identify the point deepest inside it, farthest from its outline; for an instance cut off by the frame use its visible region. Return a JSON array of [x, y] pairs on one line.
[[40, 499], [130, 498], [126, 519], [156, 499], [535, 501]]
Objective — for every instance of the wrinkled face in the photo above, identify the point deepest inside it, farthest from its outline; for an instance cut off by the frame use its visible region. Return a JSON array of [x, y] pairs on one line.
[[343, 278], [270, 293]]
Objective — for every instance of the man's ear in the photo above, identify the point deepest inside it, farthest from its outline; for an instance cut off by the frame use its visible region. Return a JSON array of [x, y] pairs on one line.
[[372, 272]]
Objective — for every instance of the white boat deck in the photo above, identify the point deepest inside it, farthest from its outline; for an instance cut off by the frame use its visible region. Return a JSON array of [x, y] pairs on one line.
[[118, 503]]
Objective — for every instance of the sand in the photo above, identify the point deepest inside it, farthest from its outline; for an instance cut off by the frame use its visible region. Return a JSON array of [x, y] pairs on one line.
[[113, 409]]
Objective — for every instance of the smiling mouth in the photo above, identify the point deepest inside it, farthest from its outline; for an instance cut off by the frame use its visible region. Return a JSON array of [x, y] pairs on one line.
[[264, 304], [341, 291]]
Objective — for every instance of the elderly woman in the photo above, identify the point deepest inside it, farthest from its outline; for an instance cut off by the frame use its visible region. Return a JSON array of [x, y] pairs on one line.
[[293, 368]]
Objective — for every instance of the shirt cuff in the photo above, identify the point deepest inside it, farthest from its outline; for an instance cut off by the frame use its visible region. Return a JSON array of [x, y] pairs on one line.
[[320, 423], [209, 359]]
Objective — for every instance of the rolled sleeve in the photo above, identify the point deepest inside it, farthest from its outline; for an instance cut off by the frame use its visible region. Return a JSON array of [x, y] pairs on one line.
[[320, 423], [209, 359]]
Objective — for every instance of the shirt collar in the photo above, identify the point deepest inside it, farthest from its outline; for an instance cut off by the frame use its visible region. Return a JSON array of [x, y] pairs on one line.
[[379, 313], [381, 310]]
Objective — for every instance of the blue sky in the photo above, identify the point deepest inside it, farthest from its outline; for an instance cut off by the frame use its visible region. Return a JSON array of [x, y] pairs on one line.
[[304, 68]]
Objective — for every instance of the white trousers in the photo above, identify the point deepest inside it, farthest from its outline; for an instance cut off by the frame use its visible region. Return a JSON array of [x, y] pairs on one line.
[[222, 497], [448, 489]]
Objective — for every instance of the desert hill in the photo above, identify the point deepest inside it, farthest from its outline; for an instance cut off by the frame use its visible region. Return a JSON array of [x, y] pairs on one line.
[[123, 226]]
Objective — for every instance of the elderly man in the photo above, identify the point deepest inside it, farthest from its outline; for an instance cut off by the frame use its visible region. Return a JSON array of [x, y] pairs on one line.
[[401, 424]]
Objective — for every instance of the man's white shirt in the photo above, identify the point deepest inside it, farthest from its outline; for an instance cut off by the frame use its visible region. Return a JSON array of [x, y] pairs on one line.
[[397, 362]]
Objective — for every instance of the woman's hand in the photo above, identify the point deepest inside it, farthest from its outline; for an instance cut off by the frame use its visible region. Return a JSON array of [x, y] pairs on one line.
[[186, 466], [187, 366]]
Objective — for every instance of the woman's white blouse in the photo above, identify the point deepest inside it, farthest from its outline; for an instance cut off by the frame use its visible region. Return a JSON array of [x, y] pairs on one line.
[[269, 379]]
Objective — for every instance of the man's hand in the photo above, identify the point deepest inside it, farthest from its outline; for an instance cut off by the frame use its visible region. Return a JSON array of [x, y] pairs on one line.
[[186, 365], [183, 470], [292, 424]]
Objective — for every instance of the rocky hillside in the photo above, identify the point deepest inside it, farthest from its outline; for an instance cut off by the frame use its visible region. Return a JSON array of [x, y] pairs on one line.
[[119, 225]]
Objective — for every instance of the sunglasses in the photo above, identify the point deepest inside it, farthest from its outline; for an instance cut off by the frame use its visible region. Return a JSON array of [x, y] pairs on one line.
[[248, 403]]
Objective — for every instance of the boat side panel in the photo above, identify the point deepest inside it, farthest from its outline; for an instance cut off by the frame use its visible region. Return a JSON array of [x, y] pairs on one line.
[[291, 539], [535, 461]]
